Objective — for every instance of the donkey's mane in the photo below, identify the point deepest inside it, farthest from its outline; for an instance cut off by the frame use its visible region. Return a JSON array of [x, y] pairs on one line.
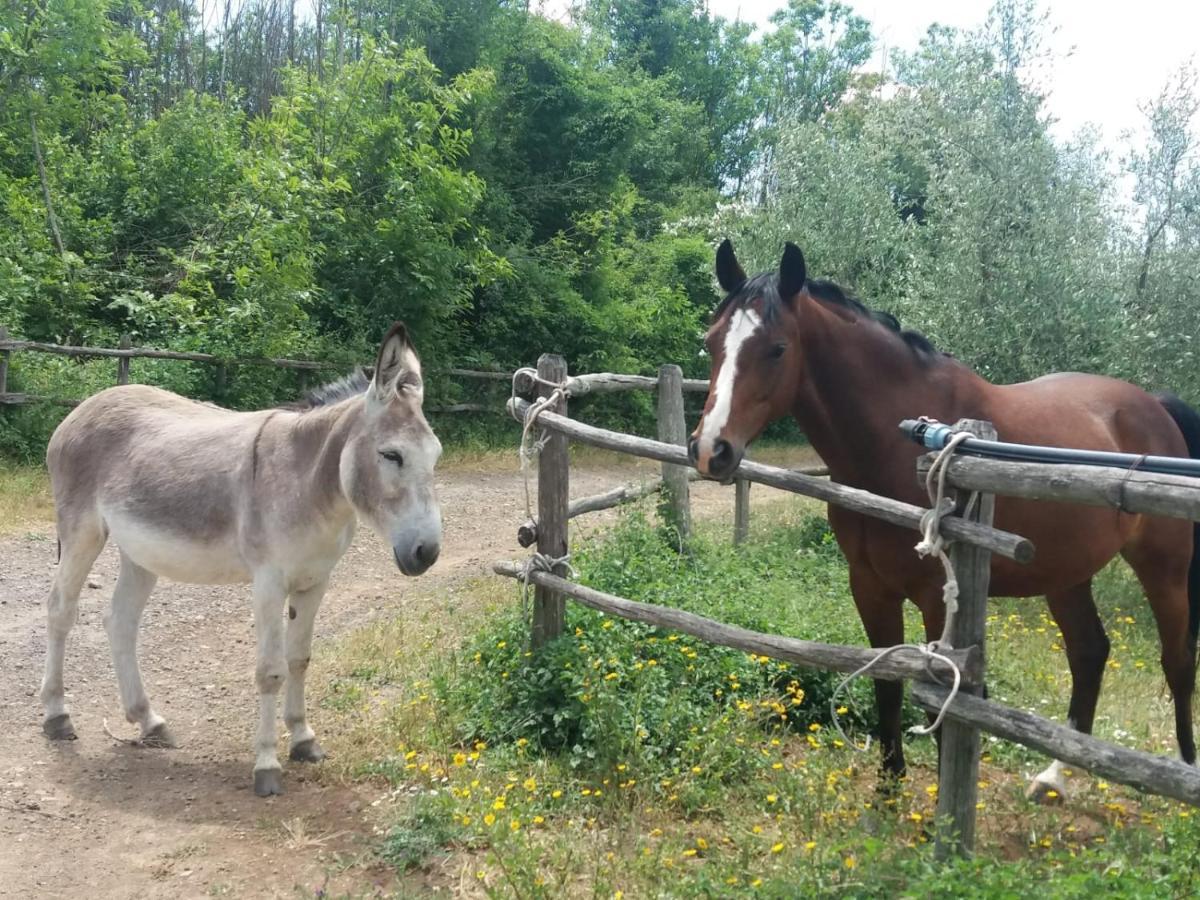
[[352, 385], [766, 287]]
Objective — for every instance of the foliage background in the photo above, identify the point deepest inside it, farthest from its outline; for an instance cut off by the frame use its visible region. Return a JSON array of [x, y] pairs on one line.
[[280, 178]]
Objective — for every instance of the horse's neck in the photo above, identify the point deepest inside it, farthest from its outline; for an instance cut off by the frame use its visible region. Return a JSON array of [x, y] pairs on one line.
[[861, 381]]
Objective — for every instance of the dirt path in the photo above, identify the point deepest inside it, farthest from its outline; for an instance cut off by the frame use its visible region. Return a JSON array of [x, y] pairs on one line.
[[101, 819]]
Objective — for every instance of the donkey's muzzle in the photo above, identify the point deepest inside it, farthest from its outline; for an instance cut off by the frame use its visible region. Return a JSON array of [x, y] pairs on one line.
[[418, 558]]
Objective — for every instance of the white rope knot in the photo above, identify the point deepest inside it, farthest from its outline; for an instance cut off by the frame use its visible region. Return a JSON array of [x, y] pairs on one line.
[[543, 562], [932, 543], [527, 450]]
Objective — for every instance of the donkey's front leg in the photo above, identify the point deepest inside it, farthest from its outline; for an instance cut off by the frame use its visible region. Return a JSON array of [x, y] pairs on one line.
[[270, 672], [302, 611]]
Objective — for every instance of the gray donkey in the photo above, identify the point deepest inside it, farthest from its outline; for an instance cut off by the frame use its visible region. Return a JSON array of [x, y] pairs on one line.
[[204, 495]]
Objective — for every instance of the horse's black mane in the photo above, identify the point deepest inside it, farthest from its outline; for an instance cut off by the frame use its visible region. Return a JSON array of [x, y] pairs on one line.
[[766, 287], [344, 388]]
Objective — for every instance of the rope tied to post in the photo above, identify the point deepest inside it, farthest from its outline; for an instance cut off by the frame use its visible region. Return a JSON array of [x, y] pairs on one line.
[[542, 562], [932, 542], [526, 451]]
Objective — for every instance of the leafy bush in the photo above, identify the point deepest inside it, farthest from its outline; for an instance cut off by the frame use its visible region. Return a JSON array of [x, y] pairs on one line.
[[611, 691]]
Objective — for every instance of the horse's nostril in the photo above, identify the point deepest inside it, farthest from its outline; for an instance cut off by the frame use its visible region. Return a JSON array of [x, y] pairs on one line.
[[693, 451], [722, 450], [427, 554]]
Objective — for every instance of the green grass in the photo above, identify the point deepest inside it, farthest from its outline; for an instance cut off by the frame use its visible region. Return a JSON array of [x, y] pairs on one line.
[[586, 771]]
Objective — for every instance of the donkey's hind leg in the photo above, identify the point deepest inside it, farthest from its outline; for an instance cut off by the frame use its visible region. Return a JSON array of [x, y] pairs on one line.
[[79, 545], [134, 585], [302, 610], [1074, 612]]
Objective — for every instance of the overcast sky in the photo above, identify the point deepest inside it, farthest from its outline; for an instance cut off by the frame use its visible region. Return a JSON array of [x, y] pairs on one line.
[[1107, 57]]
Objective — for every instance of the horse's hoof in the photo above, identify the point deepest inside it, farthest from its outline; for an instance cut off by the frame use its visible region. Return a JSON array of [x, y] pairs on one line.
[[1045, 794], [159, 738], [59, 728], [307, 751], [268, 782]]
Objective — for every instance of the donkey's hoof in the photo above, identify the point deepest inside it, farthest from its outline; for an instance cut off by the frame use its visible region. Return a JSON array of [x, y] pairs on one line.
[[59, 728], [307, 751], [1045, 793], [159, 738], [268, 782]]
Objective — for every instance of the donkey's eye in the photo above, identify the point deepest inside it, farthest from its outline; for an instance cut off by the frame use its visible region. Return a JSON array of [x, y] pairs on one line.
[[393, 456], [777, 351]]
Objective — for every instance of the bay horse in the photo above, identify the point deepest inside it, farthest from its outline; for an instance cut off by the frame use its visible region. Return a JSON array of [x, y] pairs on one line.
[[783, 344], [204, 495]]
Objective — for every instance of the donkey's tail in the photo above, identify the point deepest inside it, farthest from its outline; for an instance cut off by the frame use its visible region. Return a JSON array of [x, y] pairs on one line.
[[1188, 421]]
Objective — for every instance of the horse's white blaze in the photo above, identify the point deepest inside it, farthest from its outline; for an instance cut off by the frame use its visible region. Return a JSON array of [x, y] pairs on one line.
[[742, 326]]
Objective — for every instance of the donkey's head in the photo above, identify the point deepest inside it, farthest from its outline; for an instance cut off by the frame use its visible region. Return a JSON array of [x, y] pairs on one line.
[[756, 365], [387, 465]]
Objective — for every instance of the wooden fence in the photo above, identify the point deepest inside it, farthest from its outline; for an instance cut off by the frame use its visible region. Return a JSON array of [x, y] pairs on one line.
[[669, 386], [975, 540], [125, 351]]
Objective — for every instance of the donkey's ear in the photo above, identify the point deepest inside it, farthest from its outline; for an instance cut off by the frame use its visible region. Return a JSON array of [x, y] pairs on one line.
[[791, 271], [397, 362], [729, 272]]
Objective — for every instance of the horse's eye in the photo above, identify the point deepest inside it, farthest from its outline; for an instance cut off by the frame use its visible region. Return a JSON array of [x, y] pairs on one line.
[[777, 351], [393, 456]]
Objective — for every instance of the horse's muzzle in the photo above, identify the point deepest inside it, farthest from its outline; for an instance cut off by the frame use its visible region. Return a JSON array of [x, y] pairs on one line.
[[418, 558], [721, 463]]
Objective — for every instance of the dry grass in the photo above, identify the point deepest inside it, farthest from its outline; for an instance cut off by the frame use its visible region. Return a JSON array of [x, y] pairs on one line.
[[24, 498]]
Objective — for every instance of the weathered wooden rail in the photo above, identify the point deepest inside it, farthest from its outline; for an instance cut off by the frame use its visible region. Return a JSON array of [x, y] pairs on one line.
[[975, 540], [897, 512], [669, 386], [125, 351]]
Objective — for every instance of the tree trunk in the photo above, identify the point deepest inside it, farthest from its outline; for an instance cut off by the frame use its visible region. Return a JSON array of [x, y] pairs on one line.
[[51, 218]]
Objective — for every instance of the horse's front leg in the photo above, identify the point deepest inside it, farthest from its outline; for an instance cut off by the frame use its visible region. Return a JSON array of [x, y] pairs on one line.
[[882, 616], [270, 672], [302, 611]]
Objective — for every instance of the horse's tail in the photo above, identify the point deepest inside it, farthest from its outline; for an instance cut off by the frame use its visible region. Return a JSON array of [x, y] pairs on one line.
[[1188, 421]]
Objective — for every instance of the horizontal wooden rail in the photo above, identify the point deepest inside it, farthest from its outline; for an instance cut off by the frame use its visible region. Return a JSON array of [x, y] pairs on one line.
[[479, 375], [1010, 546], [899, 665], [1125, 489], [11, 346], [20, 399], [622, 494], [1144, 771], [607, 383], [146, 353]]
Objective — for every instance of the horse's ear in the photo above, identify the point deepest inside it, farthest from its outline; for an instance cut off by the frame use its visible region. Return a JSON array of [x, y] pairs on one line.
[[729, 272], [397, 359], [791, 271]]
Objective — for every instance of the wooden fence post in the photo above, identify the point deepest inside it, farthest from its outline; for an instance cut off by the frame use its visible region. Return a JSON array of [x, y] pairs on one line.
[[675, 506], [741, 510], [123, 361], [4, 355], [958, 774], [554, 473]]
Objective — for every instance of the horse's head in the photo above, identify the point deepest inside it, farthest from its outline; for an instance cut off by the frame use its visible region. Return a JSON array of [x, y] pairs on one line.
[[753, 343], [387, 465]]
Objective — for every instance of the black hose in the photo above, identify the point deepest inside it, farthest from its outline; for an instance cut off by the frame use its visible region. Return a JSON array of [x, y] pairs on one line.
[[934, 435]]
